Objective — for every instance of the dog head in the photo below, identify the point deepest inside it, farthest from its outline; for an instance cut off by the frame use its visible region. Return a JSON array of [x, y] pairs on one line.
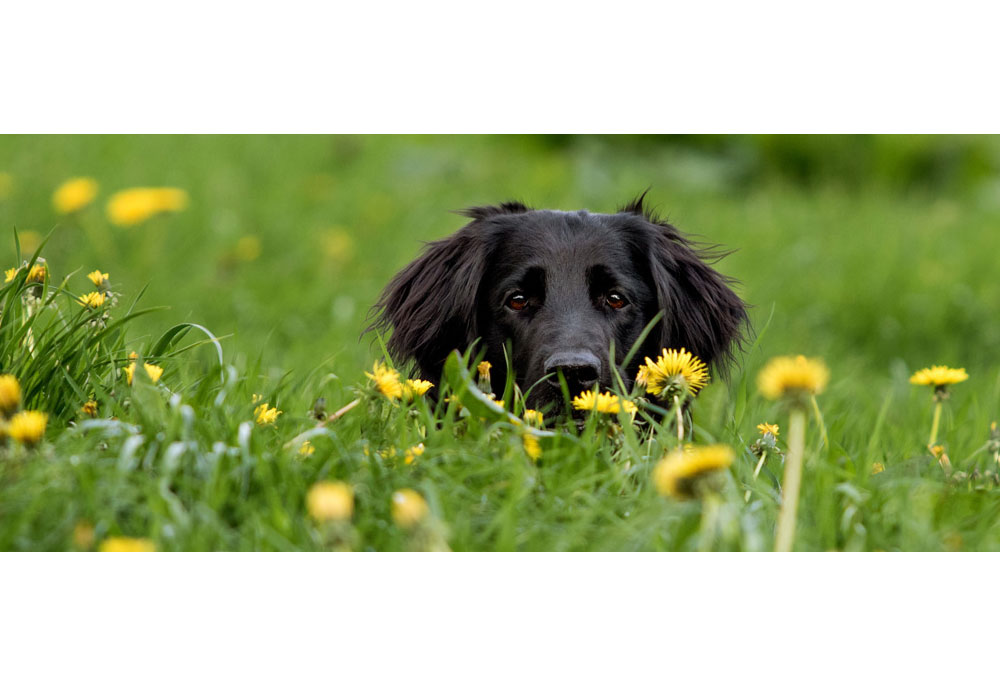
[[559, 288]]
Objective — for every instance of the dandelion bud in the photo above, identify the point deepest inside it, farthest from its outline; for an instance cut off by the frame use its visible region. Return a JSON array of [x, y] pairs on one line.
[[10, 394]]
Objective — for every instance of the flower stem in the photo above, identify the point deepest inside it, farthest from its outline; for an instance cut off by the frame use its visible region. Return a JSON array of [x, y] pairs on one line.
[[760, 464], [793, 478], [680, 419], [709, 517], [935, 423]]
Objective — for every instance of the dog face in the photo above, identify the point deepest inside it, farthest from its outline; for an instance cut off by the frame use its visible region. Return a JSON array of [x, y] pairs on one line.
[[559, 288]]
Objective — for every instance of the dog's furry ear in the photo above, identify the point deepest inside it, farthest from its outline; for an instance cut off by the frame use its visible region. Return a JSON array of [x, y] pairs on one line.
[[701, 311], [431, 304]]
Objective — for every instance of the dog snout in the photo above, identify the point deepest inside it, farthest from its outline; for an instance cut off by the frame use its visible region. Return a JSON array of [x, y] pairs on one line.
[[581, 369]]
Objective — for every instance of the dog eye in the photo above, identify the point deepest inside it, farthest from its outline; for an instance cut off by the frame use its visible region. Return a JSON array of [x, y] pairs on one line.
[[616, 301], [517, 302]]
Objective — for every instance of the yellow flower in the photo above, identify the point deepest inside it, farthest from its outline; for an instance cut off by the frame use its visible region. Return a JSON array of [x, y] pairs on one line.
[[765, 428], [605, 402], [74, 195], [483, 368], [939, 376], [89, 408], [386, 381], [99, 278], [10, 394], [328, 501], [877, 468], [154, 371], [531, 446], [674, 373], [129, 371], [10, 274], [37, 272], [415, 387], [408, 508], [678, 473], [127, 545], [28, 426], [307, 449], [83, 535], [412, 453], [534, 418], [785, 374], [136, 205], [94, 299], [265, 415]]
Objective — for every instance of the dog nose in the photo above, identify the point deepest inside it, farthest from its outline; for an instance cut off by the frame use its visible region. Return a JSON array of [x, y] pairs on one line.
[[581, 369]]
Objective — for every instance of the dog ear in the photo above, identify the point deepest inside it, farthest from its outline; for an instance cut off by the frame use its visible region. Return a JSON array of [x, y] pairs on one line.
[[701, 311], [431, 304]]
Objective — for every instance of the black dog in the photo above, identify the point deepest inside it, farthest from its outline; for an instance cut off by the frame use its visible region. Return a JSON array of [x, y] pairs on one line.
[[559, 287]]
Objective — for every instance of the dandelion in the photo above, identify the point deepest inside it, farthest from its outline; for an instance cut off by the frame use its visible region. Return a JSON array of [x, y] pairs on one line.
[[483, 371], [154, 371], [127, 545], [793, 379], [408, 508], [937, 450], [330, 501], [535, 418], [100, 279], [28, 426], [605, 402], [307, 449], [136, 205], [83, 535], [411, 454], [680, 473], [877, 468], [93, 300], [10, 274], [10, 394], [412, 388], [674, 373], [765, 429], [532, 446], [129, 371], [940, 377], [266, 415], [74, 195], [37, 273], [89, 408], [386, 381]]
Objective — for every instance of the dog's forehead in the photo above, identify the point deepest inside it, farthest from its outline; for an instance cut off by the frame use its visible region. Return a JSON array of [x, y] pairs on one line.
[[577, 235]]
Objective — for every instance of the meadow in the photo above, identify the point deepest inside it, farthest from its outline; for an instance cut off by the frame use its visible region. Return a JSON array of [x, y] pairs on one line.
[[877, 255]]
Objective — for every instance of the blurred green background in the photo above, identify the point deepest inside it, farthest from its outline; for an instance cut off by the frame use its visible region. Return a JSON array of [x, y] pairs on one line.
[[869, 250]]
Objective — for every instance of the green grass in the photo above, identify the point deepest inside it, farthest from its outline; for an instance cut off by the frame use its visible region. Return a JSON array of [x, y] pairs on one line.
[[878, 277]]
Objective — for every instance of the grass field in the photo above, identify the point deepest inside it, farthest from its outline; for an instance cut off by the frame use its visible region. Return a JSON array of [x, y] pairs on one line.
[[877, 255]]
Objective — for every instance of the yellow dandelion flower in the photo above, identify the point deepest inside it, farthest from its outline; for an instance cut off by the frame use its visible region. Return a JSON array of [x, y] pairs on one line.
[[10, 394], [673, 373], [154, 371], [532, 446], [765, 428], [386, 381], [408, 508], [939, 376], [307, 449], [89, 408], [100, 279], [10, 274], [136, 205], [792, 375], [679, 472], [877, 468], [605, 402], [94, 299], [256, 398], [535, 418], [265, 415], [415, 387], [412, 453], [329, 501], [127, 545], [133, 356], [129, 370], [37, 273], [74, 195], [483, 368], [83, 535], [28, 426]]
